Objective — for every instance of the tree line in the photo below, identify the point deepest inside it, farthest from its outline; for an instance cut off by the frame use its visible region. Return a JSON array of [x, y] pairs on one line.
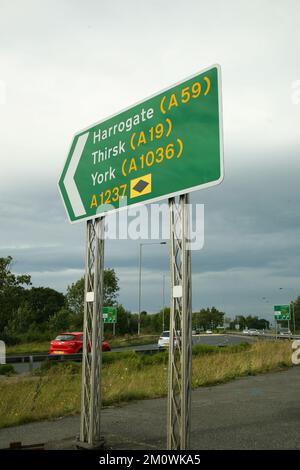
[[247, 322]]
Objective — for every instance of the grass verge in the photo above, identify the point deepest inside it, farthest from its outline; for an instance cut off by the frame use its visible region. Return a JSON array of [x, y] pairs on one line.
[[54, 390]]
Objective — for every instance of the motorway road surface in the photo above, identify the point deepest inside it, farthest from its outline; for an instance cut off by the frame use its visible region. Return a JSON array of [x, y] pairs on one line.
[[214, 340], [260, 412]]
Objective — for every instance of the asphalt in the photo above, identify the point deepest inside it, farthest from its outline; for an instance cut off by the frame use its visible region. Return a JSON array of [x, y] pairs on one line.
[[260, 412]]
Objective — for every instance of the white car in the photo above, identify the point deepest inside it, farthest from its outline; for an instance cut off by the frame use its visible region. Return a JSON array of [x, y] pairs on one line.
[[284, 333], [246, 332], [208, 332], [164, 340], [254, 332]]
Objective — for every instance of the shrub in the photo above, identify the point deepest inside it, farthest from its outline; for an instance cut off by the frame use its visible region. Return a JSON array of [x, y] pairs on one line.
[[200, 349], [7, 369], [111, 357], [235, 348], [54, 367], [10, 339], [152, 359]]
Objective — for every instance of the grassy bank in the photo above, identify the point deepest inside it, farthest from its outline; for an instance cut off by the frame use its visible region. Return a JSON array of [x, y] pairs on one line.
[[128, 376], [115, 342], [41, 347]]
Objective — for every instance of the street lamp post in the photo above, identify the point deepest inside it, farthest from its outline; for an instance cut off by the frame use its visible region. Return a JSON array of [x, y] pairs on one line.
[[140, 279], [140, 288], [293, 313]]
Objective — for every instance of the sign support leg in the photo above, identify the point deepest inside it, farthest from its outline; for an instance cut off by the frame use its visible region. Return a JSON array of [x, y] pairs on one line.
[[180, 348], [92, 336]]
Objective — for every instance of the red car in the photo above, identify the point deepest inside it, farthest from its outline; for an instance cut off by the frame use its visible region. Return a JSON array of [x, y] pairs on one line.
[[71, 343]]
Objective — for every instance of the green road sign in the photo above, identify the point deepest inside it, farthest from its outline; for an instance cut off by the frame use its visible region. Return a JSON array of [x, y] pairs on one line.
[[282, 312], [166, 145], [109, 314]]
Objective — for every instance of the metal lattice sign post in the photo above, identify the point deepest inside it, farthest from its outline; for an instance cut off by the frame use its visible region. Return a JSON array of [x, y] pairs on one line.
[[92, 338], [180, 348]]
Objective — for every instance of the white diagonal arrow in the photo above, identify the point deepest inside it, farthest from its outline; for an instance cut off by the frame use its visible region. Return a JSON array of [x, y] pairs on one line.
[[69, 183]]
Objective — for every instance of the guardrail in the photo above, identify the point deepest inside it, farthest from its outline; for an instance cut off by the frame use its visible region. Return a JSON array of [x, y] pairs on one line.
[[42, 357], [262, 336]]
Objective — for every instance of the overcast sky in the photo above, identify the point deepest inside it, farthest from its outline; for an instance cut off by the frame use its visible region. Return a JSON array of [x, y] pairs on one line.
[[66, 64]]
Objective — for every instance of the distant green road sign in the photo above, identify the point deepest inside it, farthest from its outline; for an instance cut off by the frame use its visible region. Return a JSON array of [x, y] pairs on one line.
[[109, 314], [282, 312], [168, 144]]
